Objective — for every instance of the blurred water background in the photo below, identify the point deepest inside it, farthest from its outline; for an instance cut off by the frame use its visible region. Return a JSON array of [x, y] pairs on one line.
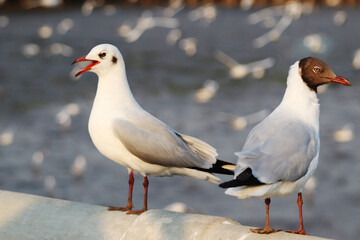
[[208, 71]]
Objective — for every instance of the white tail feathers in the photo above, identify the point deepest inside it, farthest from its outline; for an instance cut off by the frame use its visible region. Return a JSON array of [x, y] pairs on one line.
[[196, 174], [229, 167]]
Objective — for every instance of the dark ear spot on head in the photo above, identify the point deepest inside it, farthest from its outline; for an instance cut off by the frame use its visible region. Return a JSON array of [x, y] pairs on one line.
[[114, 59]]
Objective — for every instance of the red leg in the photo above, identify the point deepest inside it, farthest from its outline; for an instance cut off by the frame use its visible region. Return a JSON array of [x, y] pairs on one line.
[[129, 204], [145, 184], [266, 229], [301, 229]]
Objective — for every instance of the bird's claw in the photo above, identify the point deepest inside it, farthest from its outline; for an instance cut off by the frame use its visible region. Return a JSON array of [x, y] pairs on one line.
[[300, 231], [136, 212], [265, 230], [122, 209]]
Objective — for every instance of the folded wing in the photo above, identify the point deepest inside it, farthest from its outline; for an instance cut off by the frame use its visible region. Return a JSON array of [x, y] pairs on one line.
[[284, 156], [154, 142]]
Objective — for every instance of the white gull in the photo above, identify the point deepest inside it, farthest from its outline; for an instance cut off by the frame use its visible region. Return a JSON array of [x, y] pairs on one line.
[[125, 133], [281, 152]]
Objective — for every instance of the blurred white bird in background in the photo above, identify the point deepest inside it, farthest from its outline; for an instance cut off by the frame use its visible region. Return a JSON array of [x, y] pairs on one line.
[[64, 26], [189, 46], [45, 31], [37, 160], [208, 91], [175, 6], [7, 136], [246, 4], [29, 4], [30, 50], [89, 5], [265, 14], [241, 122], [207, 13], [340, 18], [63, 117], [173, 37], [288, 12], [345, 133], [109, 10], [59, 49], [315, 43], [78, 167], [145, 22], [239, 71], [49, 185], [356, 59]]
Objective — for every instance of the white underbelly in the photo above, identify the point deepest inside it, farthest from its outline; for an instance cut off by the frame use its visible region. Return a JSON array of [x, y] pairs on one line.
[[105, 141]]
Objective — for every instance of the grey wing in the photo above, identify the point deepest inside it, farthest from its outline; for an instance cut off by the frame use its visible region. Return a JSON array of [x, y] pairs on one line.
[[284, 156], [265, 129], [157, 145]]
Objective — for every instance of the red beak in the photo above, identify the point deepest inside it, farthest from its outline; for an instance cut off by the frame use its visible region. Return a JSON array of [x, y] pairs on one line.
[[87, 68], [340, 80]]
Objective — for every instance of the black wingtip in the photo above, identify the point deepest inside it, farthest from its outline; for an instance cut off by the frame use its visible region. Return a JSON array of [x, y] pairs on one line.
[[246, 178], [220, 167], [223, 167], [229, 184]]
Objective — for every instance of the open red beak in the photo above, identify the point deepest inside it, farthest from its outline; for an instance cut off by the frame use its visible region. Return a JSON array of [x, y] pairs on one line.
[[87, 68], [340, 80]]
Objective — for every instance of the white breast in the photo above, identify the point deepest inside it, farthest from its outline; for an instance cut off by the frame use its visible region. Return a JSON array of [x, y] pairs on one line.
[[103, 137]]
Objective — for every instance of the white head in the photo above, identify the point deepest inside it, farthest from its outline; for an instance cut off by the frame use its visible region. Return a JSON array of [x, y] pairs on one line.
[[103, 58]]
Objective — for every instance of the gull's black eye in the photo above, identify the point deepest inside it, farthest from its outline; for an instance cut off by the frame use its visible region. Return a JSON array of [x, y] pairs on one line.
[[102, 55], [316, 69]]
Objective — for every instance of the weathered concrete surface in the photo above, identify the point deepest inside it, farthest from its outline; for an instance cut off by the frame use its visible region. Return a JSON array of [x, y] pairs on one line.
[[29, 217]]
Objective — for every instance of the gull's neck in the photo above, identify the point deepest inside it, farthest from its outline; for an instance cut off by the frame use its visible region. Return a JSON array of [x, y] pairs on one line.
[[299, 99], [113, 92]]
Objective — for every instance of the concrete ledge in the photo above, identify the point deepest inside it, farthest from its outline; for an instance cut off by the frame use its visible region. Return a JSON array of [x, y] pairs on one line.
[[29, 217]]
